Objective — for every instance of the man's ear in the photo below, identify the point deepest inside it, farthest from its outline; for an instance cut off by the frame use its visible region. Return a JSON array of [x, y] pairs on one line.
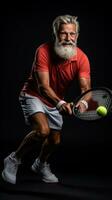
[[77, 35]]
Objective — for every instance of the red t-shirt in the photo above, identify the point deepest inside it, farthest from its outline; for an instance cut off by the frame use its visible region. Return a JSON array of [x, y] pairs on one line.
[[61, 73]]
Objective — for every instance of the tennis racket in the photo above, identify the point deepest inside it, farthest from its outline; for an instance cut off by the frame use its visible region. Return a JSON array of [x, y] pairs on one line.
[[99, 96]]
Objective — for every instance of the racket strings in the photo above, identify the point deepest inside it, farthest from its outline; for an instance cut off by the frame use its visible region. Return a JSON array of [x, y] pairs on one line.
[[102, 98], [98, 98]]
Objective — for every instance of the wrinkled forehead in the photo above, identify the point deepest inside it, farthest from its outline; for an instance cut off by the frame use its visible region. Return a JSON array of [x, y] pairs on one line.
[[67, 27]]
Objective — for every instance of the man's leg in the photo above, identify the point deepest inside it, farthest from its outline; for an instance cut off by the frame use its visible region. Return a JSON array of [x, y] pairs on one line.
[[40, 164], [49, 145], [40, 131]]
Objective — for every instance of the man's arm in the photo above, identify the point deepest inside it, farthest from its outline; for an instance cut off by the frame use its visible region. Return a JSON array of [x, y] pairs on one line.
[[85, 84], [44, 87], [47, 92]]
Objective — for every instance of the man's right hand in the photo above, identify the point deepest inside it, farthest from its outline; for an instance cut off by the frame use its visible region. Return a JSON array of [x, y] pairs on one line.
[[66, 108]]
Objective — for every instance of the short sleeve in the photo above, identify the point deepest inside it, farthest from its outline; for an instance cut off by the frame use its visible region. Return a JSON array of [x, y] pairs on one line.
[[84, 67], [41, 62]]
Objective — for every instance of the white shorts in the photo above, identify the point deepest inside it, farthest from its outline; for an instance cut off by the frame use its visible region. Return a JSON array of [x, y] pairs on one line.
[[31, 105]]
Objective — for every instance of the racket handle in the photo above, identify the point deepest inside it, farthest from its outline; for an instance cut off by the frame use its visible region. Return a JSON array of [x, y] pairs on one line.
[[75, 110], [71, 104]]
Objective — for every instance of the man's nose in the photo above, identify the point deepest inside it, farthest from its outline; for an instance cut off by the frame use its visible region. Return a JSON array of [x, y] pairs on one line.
[[68, 37]]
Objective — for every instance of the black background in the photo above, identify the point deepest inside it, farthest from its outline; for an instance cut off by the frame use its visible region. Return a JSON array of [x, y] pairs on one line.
[[24, 26]]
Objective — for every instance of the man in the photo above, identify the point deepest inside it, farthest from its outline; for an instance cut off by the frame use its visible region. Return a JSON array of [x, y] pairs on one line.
[[55, 65]]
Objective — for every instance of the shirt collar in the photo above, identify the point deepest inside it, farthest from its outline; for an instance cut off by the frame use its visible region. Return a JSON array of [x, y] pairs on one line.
[[74, 58]]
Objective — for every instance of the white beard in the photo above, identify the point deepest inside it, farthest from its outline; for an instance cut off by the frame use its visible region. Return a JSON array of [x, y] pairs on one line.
[[65, 52]]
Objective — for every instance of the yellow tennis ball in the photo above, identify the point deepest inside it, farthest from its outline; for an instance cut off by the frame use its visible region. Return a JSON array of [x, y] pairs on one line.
[[102, 111]]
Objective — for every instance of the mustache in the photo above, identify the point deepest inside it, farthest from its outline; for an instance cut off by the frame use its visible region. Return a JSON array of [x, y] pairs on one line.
[[67, 43]]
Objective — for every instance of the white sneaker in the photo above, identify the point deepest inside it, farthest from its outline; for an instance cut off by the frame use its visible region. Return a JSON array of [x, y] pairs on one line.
[[45, 171], [10, 168]]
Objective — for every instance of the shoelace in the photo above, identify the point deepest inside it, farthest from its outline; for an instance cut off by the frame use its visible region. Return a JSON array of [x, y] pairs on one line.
[[47, 169], [17, 162]]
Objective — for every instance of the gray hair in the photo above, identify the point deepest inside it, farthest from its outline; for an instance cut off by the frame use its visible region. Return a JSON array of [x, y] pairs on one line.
[[64, 19]]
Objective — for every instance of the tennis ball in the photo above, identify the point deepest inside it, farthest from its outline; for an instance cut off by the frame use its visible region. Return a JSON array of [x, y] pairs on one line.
[[102, 111]]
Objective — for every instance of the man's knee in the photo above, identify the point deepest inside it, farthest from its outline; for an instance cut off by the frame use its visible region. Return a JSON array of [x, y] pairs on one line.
[[55, 139], [56, 142], [42, 132]]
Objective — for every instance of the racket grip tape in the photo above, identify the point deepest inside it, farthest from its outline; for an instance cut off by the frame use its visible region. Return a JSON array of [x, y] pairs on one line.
[[71, 104]]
